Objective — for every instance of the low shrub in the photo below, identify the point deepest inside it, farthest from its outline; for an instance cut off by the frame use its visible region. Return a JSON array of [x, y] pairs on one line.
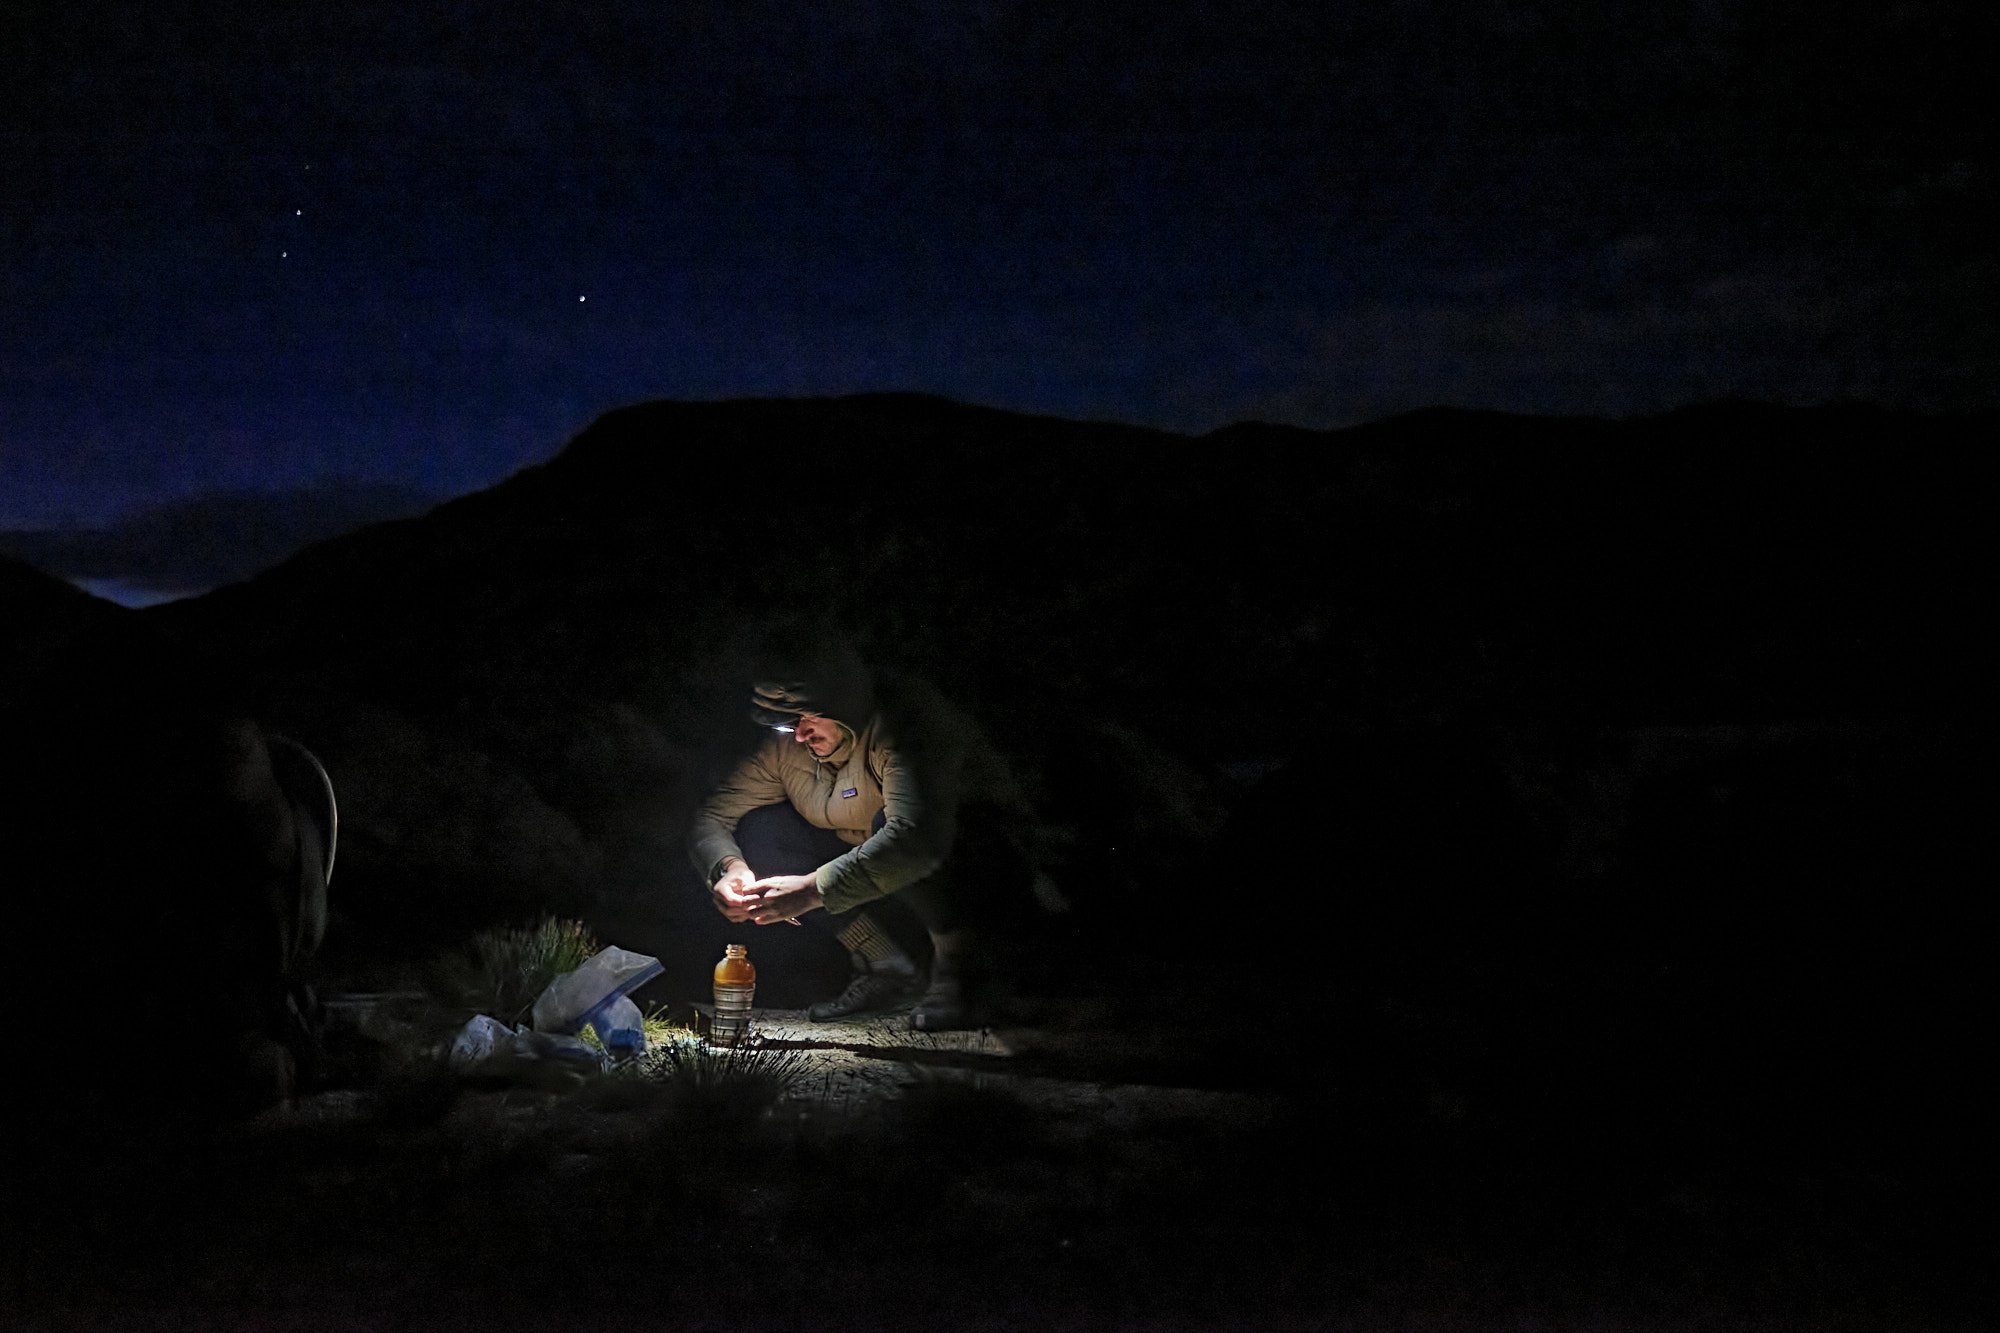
[[501, 971]]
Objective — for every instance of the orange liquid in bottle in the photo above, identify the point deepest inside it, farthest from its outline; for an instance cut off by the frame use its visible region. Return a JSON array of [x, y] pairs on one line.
[[735, 989]]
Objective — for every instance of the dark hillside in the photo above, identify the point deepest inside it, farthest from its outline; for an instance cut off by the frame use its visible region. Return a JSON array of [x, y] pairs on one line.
[[43, 613], [1564, 822], [1449, 616]]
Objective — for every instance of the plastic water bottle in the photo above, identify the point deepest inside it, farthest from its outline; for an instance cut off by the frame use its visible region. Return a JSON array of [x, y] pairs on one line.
[[735, 988]]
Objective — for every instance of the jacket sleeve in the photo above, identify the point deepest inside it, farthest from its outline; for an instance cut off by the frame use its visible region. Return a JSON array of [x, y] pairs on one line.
[[712, 835], [920, 794]]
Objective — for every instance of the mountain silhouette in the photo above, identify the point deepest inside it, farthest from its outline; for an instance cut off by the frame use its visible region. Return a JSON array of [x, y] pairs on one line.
[[1422, 630], [1589, 796]]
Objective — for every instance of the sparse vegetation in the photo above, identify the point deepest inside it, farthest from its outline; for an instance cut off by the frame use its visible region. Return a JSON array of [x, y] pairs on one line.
[[714, 1083], [501, 971], [699, 1081]]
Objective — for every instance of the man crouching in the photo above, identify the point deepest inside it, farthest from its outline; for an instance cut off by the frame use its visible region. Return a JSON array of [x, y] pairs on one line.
[[854, 806]]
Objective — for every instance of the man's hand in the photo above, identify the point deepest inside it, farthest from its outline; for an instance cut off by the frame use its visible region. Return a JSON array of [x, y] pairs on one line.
[[785, 898], [735, 893]]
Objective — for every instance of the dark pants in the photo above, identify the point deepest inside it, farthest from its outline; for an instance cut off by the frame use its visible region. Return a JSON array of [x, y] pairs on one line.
[[777, 840]]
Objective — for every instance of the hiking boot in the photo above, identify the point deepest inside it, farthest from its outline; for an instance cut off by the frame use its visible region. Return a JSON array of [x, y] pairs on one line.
[[959, 995], [952, 1004], [943, 1008], [866, 991]]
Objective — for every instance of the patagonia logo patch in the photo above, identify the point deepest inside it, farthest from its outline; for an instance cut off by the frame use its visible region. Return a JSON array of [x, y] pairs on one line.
[[851, 791]]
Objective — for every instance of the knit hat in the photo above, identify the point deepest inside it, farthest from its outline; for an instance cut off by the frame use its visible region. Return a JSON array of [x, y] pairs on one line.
[[777, 704], [800, 673]]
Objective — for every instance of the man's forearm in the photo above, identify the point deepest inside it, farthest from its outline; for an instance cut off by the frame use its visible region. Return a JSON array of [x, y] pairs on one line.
[[897, 856], [710, 843]]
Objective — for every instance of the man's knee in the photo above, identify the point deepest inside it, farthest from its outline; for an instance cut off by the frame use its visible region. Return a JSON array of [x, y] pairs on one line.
[[777, 840], [767, 822]]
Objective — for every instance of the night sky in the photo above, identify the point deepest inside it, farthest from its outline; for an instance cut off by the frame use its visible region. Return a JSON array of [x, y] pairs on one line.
[[270, 245]]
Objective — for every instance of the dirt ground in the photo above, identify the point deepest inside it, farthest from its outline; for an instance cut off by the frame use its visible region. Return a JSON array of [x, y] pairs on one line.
[[1100, 1161]]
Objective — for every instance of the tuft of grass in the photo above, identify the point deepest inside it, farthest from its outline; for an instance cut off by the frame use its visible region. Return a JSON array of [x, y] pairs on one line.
[[659, 1030], [501, 971], [722, 1085]]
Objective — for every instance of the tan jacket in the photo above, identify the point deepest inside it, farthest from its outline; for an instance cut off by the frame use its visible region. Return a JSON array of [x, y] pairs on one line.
[[915, 760]]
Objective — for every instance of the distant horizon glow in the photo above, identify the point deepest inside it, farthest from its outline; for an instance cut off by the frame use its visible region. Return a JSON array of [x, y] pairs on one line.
[[132, 596]]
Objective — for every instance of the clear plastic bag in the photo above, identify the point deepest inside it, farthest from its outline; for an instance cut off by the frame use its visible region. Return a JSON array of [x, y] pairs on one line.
[[477, 1041], [619, 1027], [572, 998], [595, 994], [486, 1047]]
